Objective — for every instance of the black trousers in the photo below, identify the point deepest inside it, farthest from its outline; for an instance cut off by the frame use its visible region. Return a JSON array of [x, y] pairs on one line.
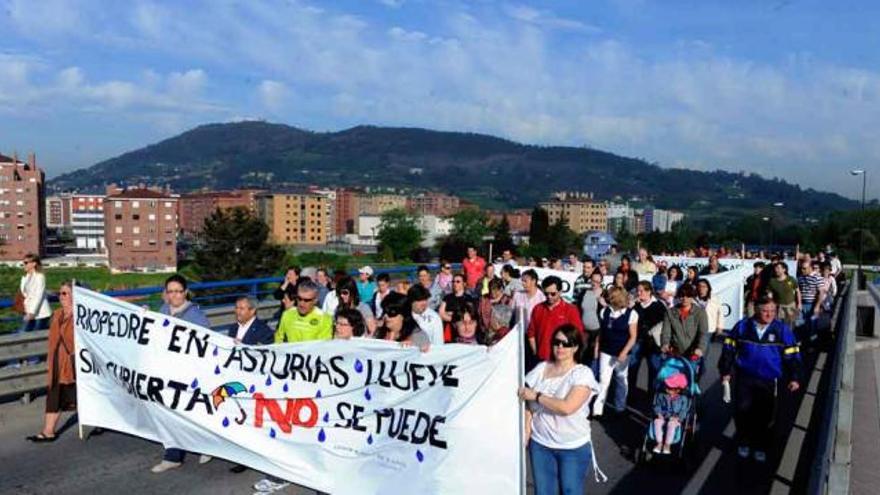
[[755, 410]]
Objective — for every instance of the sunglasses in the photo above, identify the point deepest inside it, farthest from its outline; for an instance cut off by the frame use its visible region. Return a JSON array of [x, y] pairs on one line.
[[564, 343], [306, 299], [551, 294], [344, 292], [392, 313]]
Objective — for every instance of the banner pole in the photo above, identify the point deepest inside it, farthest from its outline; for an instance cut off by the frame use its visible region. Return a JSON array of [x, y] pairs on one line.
[[521, 356], [78, 421]]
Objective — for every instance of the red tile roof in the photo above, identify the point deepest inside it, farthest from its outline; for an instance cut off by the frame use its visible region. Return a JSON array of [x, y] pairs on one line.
[[139, 194]]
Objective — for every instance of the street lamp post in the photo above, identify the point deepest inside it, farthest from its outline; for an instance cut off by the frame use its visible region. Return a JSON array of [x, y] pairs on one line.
[[864, 175]]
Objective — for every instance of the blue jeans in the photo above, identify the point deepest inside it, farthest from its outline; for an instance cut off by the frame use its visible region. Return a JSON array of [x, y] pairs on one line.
[[649, 352], [555, 469], [808, 330]]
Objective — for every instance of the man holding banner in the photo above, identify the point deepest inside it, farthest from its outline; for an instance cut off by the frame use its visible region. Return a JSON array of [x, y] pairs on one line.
[[177, 305]]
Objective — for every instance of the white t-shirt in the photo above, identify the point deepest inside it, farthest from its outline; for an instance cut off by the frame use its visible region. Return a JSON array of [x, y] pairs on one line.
[[555, 430]]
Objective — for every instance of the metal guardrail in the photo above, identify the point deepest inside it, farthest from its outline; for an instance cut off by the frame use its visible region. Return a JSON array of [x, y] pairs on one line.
[[830, 473]]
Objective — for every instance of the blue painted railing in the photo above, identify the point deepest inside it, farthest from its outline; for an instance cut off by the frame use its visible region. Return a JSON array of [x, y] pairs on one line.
[[254, 287]]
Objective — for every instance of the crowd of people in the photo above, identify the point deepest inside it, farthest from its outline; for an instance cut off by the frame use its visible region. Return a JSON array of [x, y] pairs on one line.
[[583, 354]]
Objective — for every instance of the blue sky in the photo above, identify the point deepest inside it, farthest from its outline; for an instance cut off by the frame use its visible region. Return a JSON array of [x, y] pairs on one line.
[[783, 88]]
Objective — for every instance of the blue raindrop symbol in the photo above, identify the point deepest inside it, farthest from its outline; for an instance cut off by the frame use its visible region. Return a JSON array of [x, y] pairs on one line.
[[252, 389], [322, 436], [286, 388], [216, 351], [368, 395], [166, 323], [370, 439], [225, 422], [420, 456], [318, 395], [358, 366], [216, 370], [326, 417], [268, 381], [195, 383], [272, 432]]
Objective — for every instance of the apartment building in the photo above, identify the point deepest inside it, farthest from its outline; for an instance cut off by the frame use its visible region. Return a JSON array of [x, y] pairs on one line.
[[295, 217], [433, 203], [195, 208], [377, 204], [87, 221], [141, 230], [578, 210], [57, 212], [346, 212], [22, 208], [520, 221]]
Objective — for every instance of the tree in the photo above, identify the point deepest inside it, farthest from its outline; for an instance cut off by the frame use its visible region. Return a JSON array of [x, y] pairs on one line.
[[501, 234], [562, 240], [236, 245], [399, 235], [469, 227], [539, 227]]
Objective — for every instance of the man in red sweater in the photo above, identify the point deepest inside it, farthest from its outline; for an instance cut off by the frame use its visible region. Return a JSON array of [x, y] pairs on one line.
[[473, 267], [549, 315]]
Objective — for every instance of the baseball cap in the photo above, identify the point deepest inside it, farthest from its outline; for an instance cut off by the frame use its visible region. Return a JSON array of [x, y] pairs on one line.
[[366, 269]]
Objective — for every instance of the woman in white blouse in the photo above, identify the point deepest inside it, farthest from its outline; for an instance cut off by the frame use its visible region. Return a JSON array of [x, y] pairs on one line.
[[557, 428], [33, 287]]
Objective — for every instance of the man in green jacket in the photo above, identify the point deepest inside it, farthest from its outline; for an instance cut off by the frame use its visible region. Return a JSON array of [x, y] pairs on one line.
[[305, 321]]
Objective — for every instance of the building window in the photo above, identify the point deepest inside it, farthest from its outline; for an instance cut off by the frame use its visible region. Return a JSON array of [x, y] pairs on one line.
[[151, 217], [118, 216], [118, 229], [168, 204], [119, 242], [135, 204], [135, 217], [167, 217], [136, 243], [135, 230]]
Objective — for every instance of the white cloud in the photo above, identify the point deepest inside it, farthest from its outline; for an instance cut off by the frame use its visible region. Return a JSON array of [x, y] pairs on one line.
[[500, 70], [394, 4], [273, 95]]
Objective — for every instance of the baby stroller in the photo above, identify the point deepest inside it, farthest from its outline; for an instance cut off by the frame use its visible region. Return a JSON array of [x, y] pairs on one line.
[[684, 434]]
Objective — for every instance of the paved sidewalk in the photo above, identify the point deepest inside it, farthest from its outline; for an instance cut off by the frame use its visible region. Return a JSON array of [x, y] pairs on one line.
[[865, 474]]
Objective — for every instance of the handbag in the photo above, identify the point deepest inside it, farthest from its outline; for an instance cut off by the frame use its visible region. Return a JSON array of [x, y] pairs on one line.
[[18, 303]]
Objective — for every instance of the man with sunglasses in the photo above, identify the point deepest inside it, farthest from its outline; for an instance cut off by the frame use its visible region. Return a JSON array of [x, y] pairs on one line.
[[550, 315], [305, 322]]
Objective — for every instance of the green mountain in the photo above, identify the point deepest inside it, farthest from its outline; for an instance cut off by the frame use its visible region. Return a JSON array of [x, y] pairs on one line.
[[485, 169]]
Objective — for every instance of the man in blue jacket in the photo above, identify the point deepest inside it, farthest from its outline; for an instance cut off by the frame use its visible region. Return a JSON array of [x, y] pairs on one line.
[[248, 329], [762, 350]]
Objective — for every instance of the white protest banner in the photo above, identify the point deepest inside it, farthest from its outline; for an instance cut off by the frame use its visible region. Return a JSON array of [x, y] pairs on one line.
[[567, 277], [727, 287], [343, 417], [684, 262]]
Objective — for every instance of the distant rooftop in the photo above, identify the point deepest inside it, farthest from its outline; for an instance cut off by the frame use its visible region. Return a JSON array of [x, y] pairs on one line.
[[139, 194]]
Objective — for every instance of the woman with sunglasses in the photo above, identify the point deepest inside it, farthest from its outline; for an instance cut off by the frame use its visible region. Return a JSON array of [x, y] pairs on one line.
[[398, 325], [558, 433], [444, 278], [33, 293], [61, 390]]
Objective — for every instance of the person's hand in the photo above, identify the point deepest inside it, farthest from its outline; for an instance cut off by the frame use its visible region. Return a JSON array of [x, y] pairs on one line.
[[621, 358], [793, 386], [28, 316], [527, 394], [425, 348], [698, 352], [725, 378], [664, 348]]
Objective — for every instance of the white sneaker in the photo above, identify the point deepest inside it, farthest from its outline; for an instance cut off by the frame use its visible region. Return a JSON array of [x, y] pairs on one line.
[[760, 456], [165, 466], [204, 459], [657, 449], [743, 452], [268, 486]]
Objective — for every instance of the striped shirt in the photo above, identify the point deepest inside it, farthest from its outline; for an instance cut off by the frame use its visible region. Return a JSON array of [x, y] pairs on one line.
[[809, 286]]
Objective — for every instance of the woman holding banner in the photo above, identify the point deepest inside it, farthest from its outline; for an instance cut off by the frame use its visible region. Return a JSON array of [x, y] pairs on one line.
[[61, 390], [557, 430]]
